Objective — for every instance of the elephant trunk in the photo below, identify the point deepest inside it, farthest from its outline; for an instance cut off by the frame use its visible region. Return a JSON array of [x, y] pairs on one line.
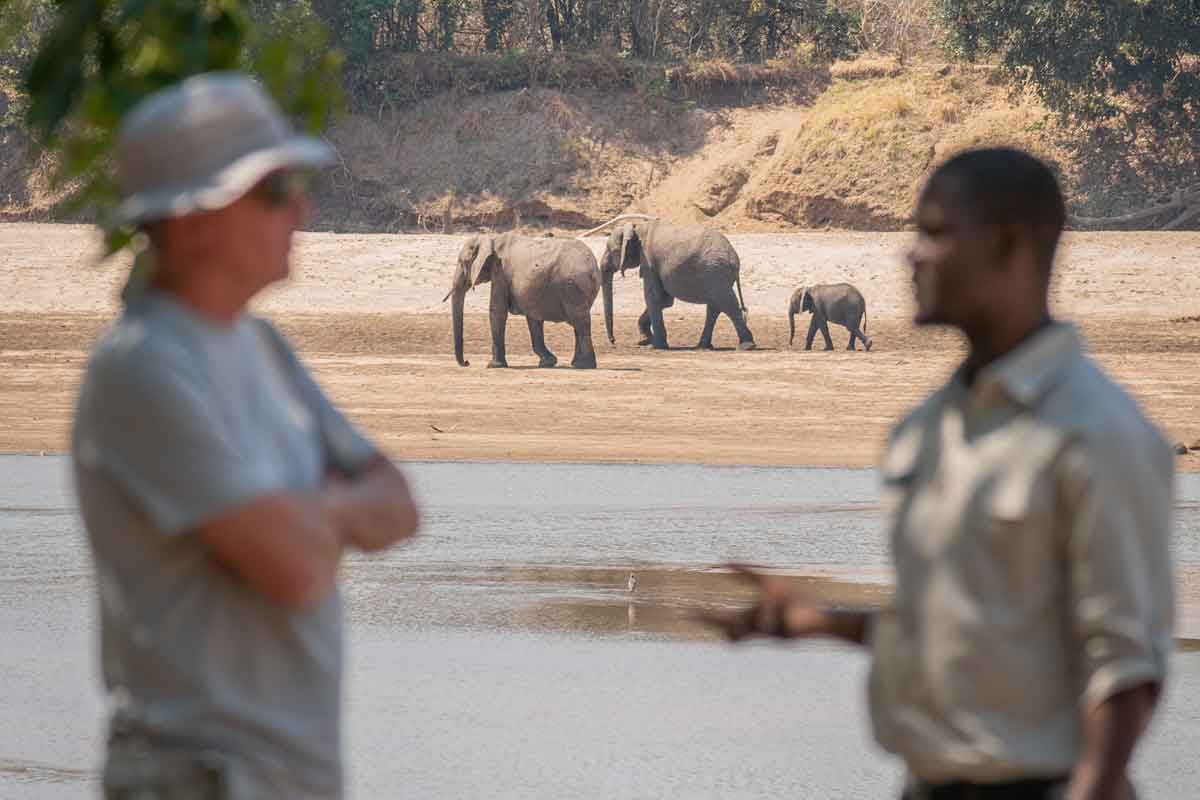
[[457, 309], [608, 306], [791, 325]]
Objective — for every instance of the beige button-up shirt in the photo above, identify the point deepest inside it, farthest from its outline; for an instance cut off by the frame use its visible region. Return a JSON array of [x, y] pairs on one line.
[[1031, 519]]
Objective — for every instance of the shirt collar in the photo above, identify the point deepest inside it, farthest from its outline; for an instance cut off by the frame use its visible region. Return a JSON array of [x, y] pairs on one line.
[[1027, 373]]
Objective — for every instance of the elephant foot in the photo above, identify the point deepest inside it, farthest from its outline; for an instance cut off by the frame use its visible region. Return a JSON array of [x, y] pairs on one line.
[[464, 363], [867, 344], [828, 349], [645, 342], [584, 362], [747, 346], [660, 346], [497, 364], [705, 346], [547, 361]]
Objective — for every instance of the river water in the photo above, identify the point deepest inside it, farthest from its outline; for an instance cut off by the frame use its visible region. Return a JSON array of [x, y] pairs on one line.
[[500, 655]]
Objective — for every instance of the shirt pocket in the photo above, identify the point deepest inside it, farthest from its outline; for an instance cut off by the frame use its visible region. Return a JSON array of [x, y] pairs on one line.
[[1014, 531]]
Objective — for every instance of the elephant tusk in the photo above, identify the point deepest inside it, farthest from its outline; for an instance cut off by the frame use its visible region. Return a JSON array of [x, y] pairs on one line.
[[613, 221]]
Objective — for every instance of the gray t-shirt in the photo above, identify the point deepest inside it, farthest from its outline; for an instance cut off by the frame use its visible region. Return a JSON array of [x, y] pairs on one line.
[[179, 421]]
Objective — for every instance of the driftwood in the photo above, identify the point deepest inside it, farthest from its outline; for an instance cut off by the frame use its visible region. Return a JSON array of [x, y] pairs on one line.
[[1185, 204]]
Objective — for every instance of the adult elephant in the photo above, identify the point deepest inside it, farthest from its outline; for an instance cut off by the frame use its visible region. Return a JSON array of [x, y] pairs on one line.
[[839, 303], [686, 262], [543, 280]]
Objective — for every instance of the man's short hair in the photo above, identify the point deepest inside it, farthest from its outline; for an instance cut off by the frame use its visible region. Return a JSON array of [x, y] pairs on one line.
[[1005, 186]]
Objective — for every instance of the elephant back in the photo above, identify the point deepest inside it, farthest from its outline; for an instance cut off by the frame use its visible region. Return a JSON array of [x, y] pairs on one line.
[[680, 243]]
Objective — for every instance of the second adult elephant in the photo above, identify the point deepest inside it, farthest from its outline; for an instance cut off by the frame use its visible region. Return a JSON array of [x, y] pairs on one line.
[[543, 280], [839, 303], [689, 262]]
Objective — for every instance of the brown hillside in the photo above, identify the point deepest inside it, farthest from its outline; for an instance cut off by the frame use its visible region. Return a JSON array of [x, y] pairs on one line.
[[849, 153], [795, 147]]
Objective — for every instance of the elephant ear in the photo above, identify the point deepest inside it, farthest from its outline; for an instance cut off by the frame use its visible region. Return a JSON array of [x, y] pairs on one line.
[[485, 259], [631, 248]]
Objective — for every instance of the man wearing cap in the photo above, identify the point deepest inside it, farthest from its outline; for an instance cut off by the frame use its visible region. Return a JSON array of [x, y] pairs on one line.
[[1026, 644], [219, 487]]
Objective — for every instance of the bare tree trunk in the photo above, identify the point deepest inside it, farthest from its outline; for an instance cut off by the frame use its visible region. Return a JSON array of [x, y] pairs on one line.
[[662, 4], [537, 37]]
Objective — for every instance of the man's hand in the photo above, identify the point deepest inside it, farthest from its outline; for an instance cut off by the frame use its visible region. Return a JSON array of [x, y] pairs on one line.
[[781, 612], [373, 510]]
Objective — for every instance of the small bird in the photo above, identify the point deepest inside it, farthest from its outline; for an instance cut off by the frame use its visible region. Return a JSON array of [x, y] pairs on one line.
[[631, 584]]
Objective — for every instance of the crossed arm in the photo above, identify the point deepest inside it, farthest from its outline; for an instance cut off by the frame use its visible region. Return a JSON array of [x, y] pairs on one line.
[[288, 546]]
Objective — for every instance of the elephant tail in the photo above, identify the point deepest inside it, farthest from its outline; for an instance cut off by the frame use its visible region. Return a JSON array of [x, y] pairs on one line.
[[864, 318], [741, 300]]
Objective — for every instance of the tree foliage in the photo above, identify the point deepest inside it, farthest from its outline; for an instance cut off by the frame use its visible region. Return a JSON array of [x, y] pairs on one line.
[[1137, 60], [95, 59], [662, 30]]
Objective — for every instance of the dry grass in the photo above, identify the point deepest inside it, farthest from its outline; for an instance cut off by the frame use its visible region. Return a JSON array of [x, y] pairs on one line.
[[718, 75], [859, 157], [402, 80], [866, 67]]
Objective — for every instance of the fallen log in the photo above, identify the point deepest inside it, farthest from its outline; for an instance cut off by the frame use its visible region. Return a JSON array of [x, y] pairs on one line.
[[1186, 202]]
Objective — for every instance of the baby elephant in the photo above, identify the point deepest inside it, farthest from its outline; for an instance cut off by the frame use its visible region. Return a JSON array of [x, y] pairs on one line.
[[839, 303]]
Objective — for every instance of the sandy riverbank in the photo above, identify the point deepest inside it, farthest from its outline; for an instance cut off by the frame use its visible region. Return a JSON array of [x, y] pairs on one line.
[[366, 313]]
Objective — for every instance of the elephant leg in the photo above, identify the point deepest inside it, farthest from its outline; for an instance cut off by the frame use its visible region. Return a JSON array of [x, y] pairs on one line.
[[537, 336], [644, 328], [498, 312], [825, 334], [857, 332], [658, 329], [710, 322], [813, 327], [728, 305], [850, 344], [585, 353]]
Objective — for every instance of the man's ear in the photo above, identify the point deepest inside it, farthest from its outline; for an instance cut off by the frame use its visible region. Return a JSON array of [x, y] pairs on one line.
[[1008, 239]]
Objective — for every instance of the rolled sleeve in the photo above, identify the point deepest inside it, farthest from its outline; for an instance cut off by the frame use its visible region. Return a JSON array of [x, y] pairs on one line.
[[1118, 506], [151, 427]]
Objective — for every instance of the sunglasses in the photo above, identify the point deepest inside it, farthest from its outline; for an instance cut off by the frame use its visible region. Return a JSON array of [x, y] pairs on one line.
[[283, 187]]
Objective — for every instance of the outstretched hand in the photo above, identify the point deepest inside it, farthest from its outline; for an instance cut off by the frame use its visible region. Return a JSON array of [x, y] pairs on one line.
[[781, 612], [767, 617]]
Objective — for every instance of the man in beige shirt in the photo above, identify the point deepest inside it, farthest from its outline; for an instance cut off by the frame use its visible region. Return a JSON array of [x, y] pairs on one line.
[[1030, 503]]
